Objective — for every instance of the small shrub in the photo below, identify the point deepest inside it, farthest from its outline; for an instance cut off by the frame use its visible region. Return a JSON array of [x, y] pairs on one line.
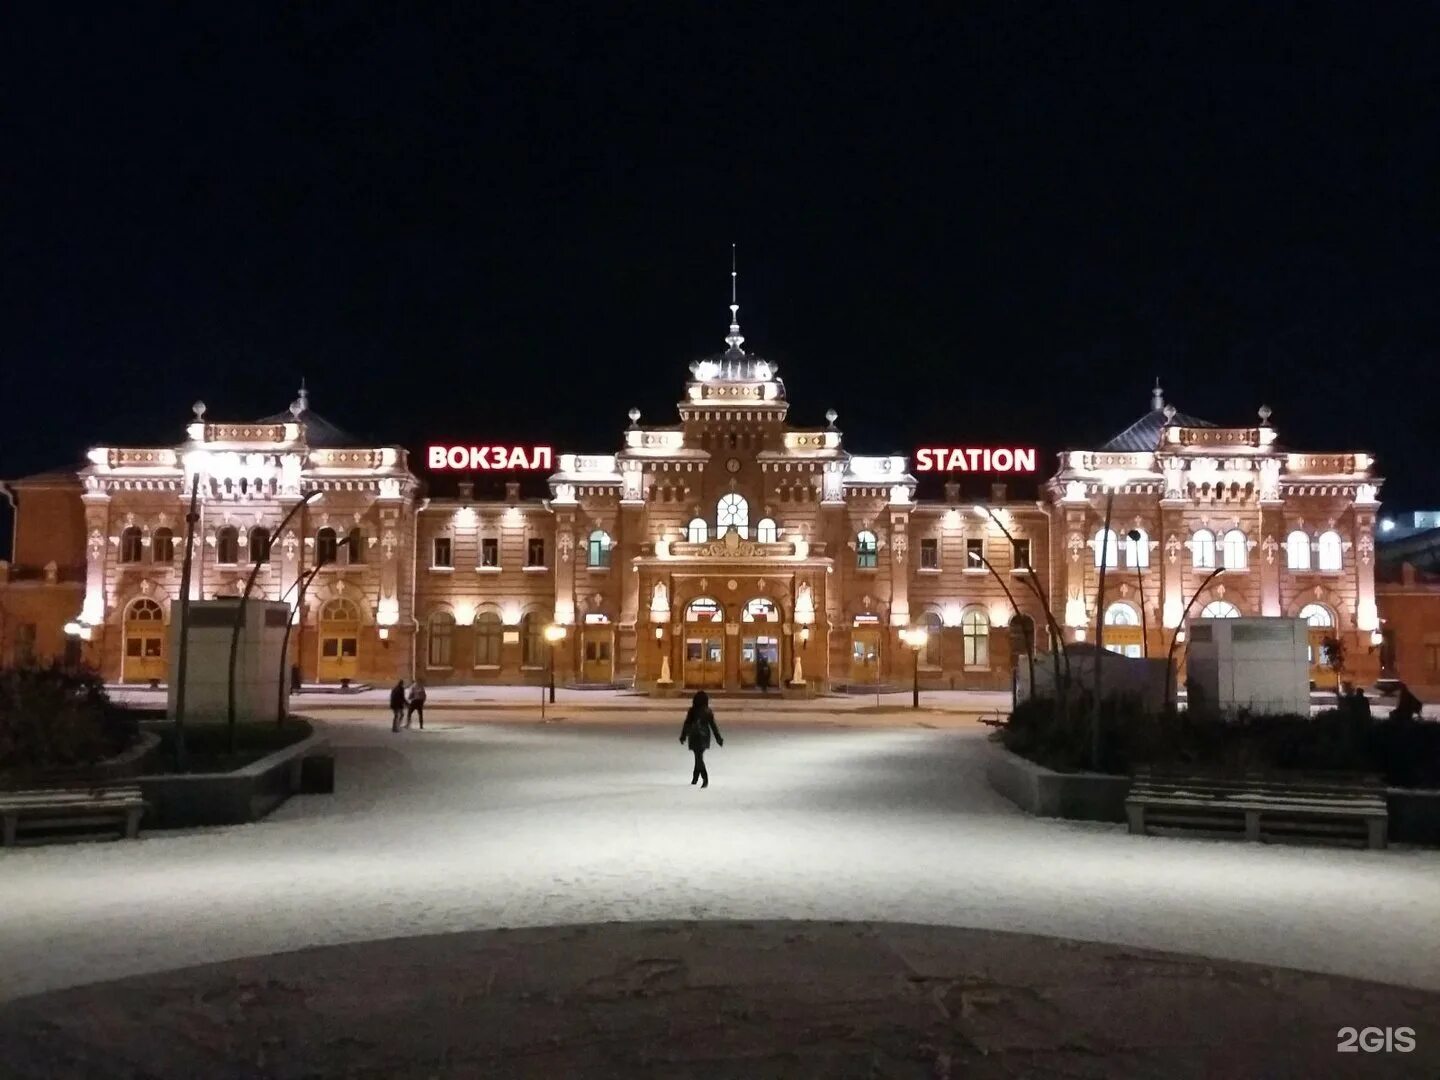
[[57, 717]]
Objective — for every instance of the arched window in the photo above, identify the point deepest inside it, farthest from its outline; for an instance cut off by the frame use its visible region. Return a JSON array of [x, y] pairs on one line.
[[867, 550], [732, 511], [442, 640], [1235, 551], [259, 544], [339, 610], [162, 546], [1202, 549], [1137, 550], [488, 635], [1106, 548], [698, 532], [760, 610], [532, 641], [1317, 615], [598, 549], [130, 545], [766, 532], [1219, 609], [975, 626], [1297, 551], [355, 546], [934, 627], [327, 546], [1022, 634], [1329, 550], [1121, 615], [227, 545], [144, 610], [703, 609]]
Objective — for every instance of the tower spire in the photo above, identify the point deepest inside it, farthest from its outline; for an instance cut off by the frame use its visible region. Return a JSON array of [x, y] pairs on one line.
[[734, 339]]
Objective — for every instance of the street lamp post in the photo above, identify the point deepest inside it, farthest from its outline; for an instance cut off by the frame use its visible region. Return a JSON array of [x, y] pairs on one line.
[[914, 637], [553, 633], [1056, 634], [1179, 634], [1029, 638], [1135, 536], [302, 583]]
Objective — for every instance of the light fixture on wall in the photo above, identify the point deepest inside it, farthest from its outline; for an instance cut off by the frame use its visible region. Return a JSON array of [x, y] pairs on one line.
[[659, 632], [384, 633]]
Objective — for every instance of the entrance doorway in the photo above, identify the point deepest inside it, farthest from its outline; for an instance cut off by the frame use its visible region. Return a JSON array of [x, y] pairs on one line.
[[1122, 630], [704, 644], [144, 642], [865, 650], [339, 641], [759, 638], [598, 643], [1321, 625]]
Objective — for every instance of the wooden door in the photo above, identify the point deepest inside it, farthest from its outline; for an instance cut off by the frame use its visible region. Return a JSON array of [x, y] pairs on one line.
[[865, 655], [599, 655], [705, 660], [751, 649], [144, 643]]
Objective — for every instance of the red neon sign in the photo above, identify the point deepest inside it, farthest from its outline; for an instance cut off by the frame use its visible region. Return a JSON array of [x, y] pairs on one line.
[[489, 458], [979, 459]]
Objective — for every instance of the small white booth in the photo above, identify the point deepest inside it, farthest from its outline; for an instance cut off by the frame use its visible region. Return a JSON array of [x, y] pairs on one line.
[[259, 671], [1260, 664]]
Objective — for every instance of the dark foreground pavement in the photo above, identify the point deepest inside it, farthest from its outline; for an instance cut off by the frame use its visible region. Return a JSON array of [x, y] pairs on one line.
[[741, 1000]]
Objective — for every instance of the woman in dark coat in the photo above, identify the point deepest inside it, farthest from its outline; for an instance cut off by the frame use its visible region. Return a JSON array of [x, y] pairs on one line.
[[699, 726]]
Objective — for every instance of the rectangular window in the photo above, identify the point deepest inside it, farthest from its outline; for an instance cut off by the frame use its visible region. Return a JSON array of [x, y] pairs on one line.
[[535, 551], [974, 553], [443, 556], [490, 551], [929, 553], [1021, 554]]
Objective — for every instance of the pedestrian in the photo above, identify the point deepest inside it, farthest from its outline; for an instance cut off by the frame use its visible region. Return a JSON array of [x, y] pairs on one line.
[[397, 705], [294, 678], [417, 704], [762, 673], [699, 725]]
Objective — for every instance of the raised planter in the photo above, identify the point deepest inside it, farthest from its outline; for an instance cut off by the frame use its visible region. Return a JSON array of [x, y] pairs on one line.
[[1044, 792], [129, 763], [182, 800], [1414, 815]]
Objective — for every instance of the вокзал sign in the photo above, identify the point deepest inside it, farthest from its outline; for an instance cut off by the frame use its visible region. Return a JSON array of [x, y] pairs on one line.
[[489, 458]]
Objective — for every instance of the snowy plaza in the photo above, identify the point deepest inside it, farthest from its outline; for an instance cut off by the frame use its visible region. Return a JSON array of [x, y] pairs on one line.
[[490, 819]]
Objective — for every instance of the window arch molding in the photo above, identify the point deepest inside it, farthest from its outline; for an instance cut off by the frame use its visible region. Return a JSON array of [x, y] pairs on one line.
[[1220, 609]]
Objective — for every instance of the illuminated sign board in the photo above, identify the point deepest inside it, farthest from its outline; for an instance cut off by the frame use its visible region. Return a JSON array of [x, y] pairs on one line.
[[490, 458], [975, 459]]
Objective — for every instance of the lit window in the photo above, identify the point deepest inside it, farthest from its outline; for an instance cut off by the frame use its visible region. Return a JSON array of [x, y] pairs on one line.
[[867, 550], [1121, 615], [327, 546], [227, 545], [532, 641], [760, 610], [934, 627], [1317, 615], [1236, 551], [1202, 549], [535, 551], [1219, 609], [355, 547], [162, 546], [1137, 550], [975, 553], [929, 553], [488, 635], [442, 553], [490, 551], [1297, 551], [975, 626], [732, 511], [599, 549], [1107, 549], [698, 532], [130, 546], [766, 532], [259, 544], [442, 639], [1020, 553], [1329, 550]]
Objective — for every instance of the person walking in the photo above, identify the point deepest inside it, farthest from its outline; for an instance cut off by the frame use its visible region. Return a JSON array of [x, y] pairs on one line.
[[397, 705], [762, 673], [699, 725], [417, 704]]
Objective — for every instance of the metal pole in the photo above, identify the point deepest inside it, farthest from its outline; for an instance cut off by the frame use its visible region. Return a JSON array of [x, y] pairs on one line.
[[1175, 637], [915, 691], [552, 673], [1134, 536], [1056, 633], [551, 644], [182, 671], [1029, 638], [240, 621], [1100, 630]]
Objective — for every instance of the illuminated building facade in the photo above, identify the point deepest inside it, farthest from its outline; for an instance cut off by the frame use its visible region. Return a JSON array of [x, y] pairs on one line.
[[694, 550]]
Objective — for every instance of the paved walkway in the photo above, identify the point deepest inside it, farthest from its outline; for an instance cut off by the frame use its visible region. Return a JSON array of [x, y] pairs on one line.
[[475, 826], [751, 1001]]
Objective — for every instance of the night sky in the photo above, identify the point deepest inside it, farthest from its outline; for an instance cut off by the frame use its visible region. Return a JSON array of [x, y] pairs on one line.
[[996, 224]]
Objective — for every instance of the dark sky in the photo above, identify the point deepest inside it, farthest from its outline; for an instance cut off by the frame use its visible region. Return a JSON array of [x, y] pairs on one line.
[[995, 222]]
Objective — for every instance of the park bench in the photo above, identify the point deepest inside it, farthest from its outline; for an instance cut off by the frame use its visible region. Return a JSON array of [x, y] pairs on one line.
[[1272, 807], [70, 808]]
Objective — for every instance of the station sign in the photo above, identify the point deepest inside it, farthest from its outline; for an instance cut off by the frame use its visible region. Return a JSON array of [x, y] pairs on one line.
[[489, 458], [975, 459]]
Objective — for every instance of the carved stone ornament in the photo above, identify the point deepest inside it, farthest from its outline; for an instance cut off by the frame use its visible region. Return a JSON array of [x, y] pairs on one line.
[[901, 545], [732, 584], [1270, 547], [730, 546], [1172, 547], [1367, 546], [567, 545], [1076, 544]]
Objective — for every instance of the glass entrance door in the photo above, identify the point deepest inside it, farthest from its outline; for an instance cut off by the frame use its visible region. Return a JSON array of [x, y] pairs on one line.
[[144, 643], [704, 660], [599, 666], [865, 655], [751, 649], [339, 641]]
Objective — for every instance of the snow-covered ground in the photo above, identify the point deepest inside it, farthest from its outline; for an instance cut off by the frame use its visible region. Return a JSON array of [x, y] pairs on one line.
[[472, 825]]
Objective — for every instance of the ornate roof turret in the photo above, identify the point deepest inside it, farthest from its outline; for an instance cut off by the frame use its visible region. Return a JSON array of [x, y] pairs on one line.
[[734, 375]]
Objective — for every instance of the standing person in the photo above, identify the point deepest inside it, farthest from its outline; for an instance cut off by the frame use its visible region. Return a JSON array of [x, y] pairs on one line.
[[417, 703], [762, 673], [699, 725], [397, 705]]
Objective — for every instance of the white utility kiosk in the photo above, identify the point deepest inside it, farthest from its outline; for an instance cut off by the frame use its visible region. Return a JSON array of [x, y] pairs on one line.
[[1261, 664]]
